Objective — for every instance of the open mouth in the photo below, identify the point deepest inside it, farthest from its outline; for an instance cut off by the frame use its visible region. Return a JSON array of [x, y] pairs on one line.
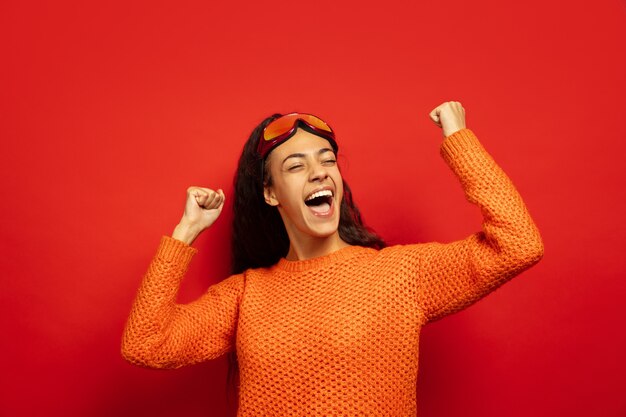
[[320, 202]]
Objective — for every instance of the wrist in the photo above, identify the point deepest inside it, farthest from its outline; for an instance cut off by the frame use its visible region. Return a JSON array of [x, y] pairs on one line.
[[185, 232], [452, 131]]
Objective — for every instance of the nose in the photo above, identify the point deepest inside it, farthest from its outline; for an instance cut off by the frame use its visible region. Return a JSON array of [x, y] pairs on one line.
[[318, 172]]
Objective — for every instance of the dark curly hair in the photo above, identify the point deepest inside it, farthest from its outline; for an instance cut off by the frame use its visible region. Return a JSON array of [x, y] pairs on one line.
[[259, 237]]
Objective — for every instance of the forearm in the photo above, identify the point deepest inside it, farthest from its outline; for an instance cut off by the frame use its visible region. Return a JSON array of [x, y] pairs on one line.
[[507, 225], [154, 312]]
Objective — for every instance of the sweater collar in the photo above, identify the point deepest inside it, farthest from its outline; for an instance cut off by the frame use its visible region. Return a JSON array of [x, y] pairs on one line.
[[321, 261]]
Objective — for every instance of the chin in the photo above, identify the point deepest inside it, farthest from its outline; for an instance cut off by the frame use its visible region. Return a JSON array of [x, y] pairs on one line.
[[322, 231], [324, 234], [310, 223]]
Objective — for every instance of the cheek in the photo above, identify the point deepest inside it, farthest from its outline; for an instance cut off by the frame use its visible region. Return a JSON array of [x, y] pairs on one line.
[[339, 184], [340, 195], [287, 192]]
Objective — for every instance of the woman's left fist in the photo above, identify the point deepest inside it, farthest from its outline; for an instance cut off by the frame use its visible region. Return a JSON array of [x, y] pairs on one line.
[[449, 116]]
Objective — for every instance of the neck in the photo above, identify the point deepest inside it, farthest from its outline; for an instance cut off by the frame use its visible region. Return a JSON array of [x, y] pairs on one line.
[[308, 247]]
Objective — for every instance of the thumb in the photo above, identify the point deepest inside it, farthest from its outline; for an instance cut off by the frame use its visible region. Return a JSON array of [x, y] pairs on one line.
[[434, 116], [201, 199]]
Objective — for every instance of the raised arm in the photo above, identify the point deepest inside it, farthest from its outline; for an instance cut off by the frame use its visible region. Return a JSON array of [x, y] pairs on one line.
[[159, 332], [454, 275]]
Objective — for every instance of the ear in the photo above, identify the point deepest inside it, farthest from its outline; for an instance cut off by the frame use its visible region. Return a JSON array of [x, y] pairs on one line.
[[270, 198]]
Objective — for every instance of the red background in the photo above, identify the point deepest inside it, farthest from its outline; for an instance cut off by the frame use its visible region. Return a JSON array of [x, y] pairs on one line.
[[110, 110]]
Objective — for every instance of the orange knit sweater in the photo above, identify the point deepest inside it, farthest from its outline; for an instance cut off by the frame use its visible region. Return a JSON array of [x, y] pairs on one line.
[[336, 335]]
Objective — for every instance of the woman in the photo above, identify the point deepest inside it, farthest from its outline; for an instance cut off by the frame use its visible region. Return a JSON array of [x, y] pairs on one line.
[[323, 318]]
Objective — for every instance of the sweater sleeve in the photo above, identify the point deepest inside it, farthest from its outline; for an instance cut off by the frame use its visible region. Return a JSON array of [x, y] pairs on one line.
[[160, 333], [454, 275]]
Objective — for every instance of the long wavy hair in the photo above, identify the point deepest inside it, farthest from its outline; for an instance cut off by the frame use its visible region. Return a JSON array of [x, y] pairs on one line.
[[259, 237]]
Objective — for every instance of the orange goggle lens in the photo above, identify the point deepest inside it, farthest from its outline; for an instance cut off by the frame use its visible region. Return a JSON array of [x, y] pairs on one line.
[[285, 123], [285, 126]]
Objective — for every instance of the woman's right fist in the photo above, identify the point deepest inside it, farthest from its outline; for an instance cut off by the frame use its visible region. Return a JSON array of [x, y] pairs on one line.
[[202, 208], [449, 116]]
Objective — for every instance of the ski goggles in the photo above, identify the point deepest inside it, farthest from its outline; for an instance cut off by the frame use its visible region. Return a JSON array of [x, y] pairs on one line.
[[284, 127]]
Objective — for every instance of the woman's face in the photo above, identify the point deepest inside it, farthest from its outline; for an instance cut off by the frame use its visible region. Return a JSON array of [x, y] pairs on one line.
[[306, 185]]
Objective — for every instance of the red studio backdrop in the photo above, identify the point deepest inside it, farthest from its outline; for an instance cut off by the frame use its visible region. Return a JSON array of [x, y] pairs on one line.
[[110, 110]]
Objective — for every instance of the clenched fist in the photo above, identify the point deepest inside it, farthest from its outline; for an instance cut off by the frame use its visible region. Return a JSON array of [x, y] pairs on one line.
[[202, 208], [450, 116]]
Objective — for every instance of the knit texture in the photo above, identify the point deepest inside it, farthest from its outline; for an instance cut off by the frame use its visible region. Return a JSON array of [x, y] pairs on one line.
[[336, 335]]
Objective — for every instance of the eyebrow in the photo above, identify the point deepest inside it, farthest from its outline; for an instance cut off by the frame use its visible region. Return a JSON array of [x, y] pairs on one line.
[[301, 155]]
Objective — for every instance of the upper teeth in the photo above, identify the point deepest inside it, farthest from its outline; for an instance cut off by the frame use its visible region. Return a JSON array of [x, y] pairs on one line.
[[323, 193]]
